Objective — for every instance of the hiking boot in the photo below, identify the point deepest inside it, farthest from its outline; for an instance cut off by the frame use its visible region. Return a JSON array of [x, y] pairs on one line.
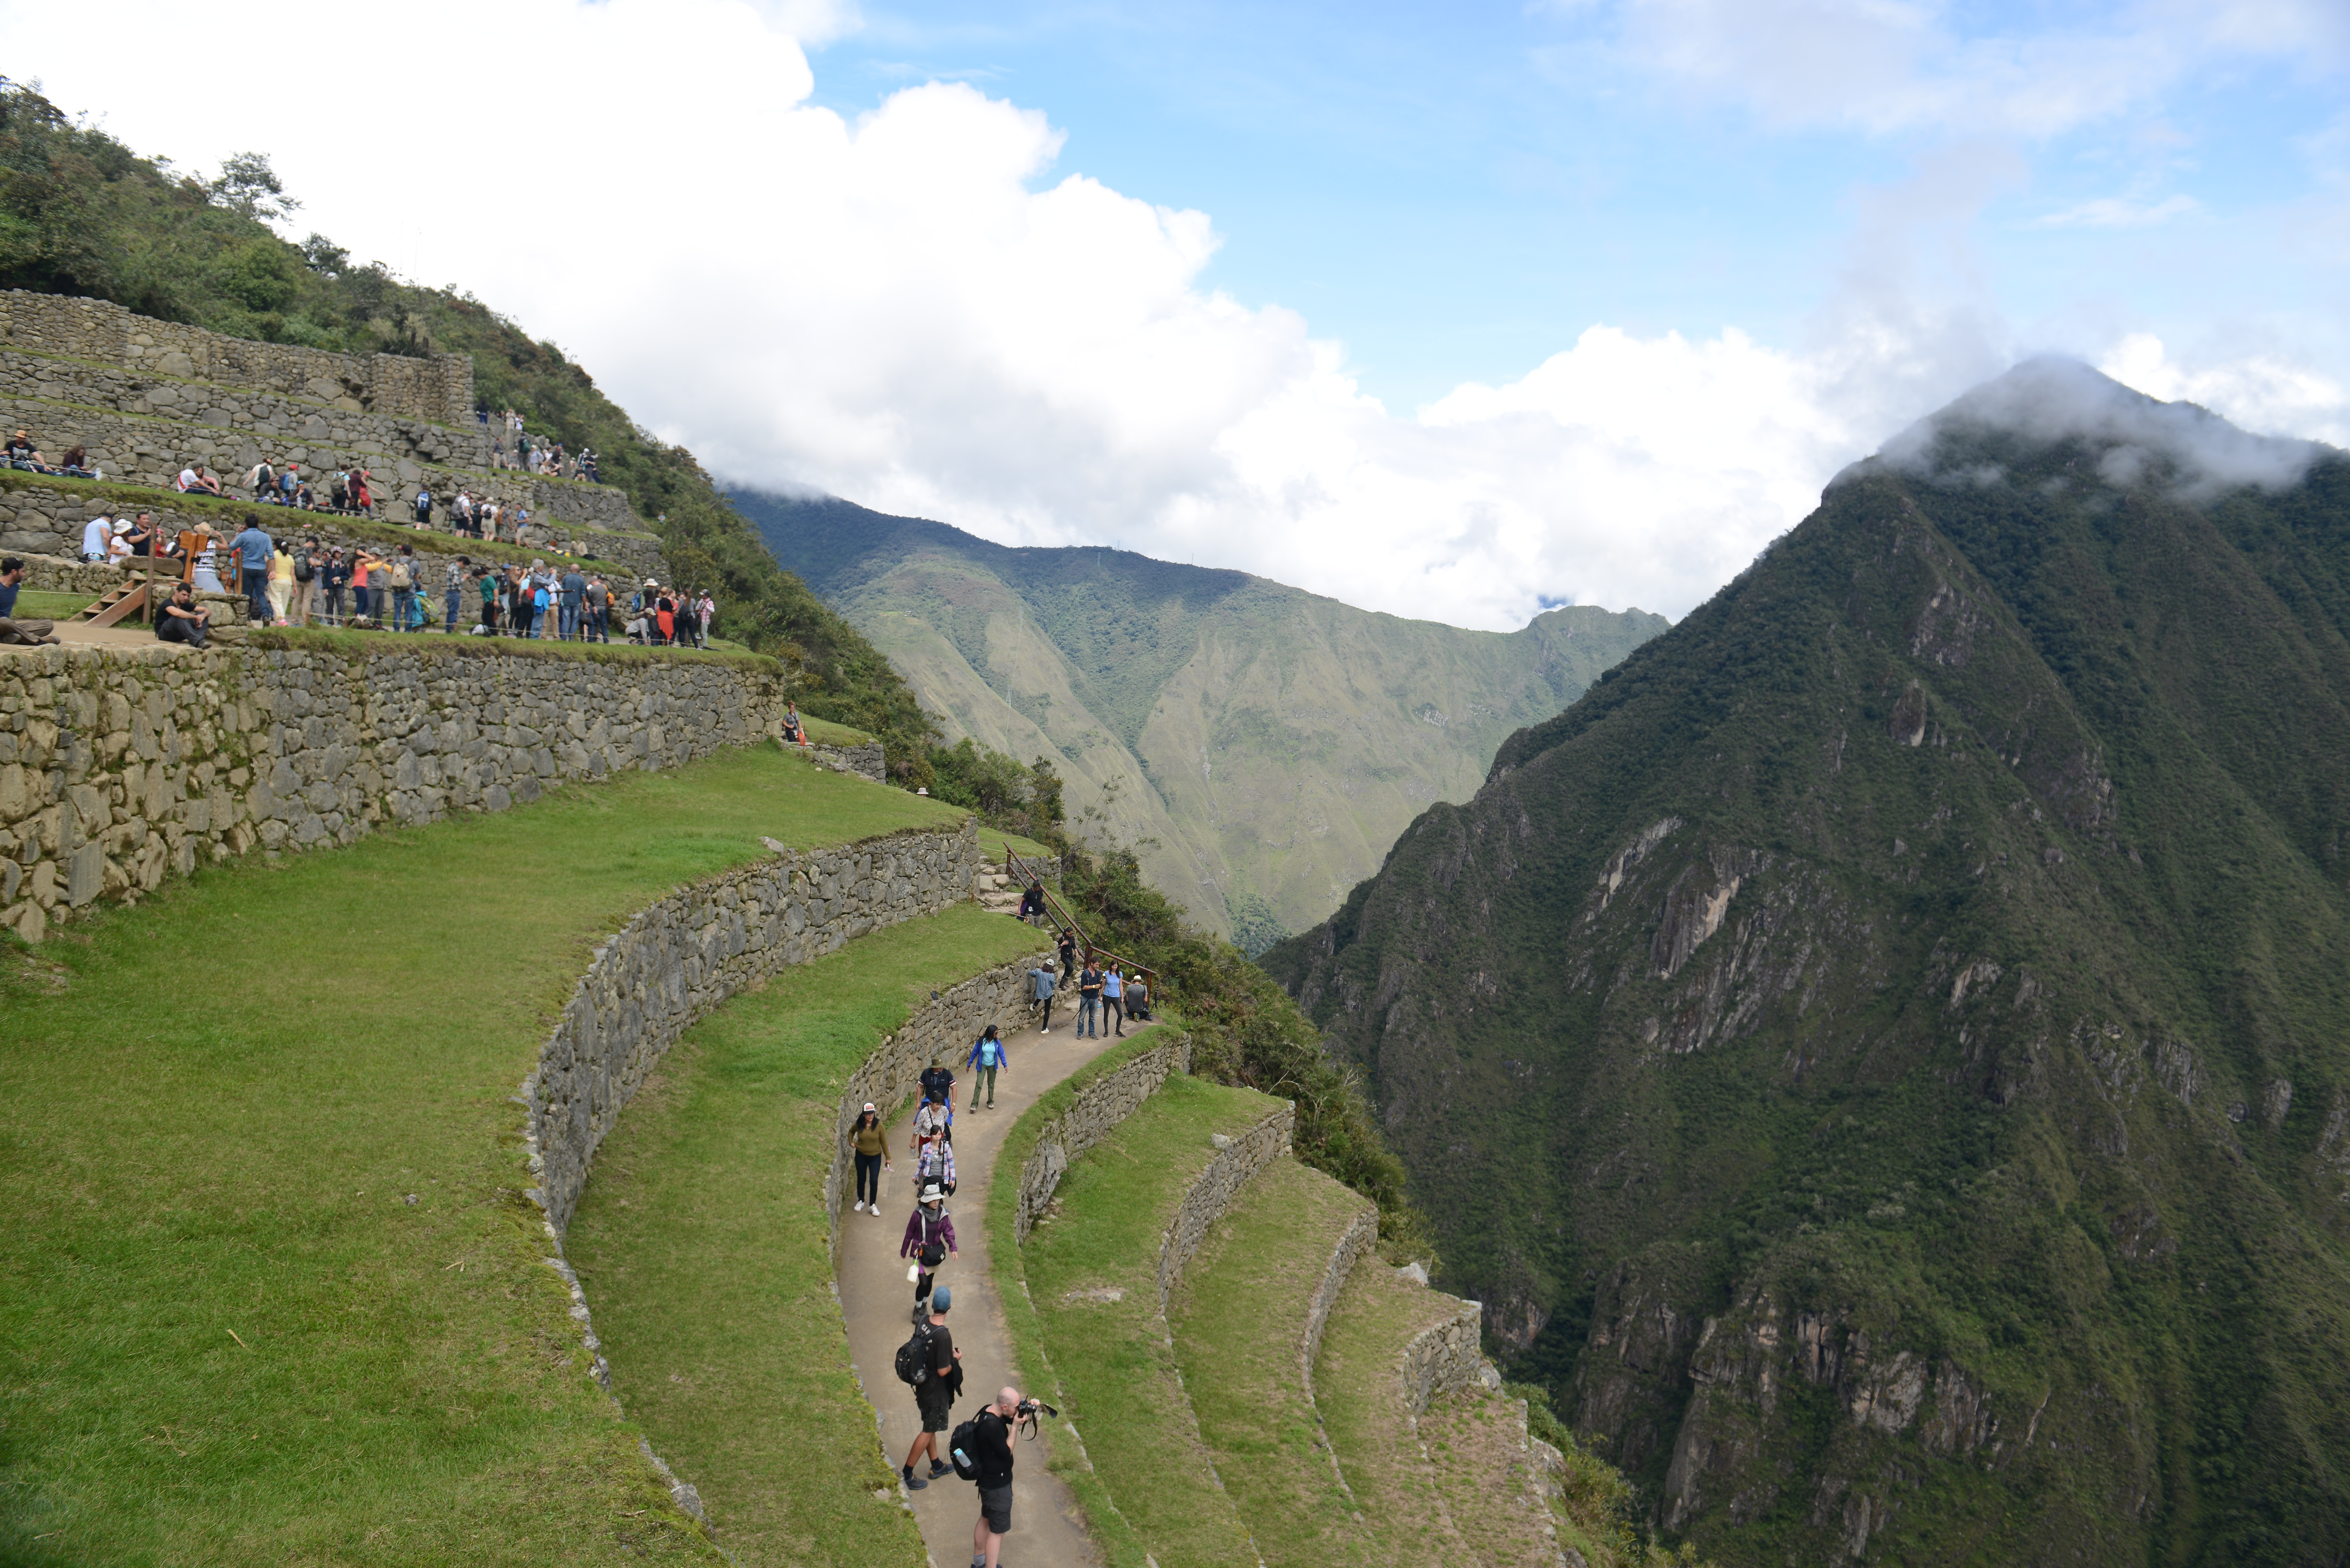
[[938, 1469], [912, 1481]]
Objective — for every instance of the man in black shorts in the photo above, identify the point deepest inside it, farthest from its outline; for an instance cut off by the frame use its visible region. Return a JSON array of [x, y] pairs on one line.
[[935, 1395], [993, 1435]]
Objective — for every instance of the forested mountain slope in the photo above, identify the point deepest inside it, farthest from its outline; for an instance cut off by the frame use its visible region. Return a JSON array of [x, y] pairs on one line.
[[1884, 1054], [1272, 742]]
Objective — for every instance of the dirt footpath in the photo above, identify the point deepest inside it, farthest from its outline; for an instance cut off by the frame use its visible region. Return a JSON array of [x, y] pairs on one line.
[[877, 1302]]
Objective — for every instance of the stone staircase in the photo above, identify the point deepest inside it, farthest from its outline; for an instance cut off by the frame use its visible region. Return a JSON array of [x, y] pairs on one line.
[[1333, 1410]]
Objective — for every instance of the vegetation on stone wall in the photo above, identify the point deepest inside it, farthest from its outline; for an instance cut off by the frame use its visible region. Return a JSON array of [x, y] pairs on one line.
[[80, 213]]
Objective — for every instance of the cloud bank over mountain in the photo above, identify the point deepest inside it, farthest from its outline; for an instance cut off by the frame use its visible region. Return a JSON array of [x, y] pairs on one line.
[[914, 309]]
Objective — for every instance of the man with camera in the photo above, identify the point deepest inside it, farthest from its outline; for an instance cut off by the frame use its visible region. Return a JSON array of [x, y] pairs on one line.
[[992, 1435]]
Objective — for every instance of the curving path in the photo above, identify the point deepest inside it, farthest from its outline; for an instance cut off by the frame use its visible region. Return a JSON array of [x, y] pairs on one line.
[[877, 1304]]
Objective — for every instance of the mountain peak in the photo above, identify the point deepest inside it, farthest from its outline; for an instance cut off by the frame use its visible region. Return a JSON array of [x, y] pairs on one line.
[[2049, 398]]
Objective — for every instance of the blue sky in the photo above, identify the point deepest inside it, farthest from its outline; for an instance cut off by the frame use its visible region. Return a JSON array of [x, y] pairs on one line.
[[1448, 311], [1457, 190]]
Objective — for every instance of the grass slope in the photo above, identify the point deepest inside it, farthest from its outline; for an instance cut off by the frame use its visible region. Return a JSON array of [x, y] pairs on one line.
[[1239, 1321], [1272, 742], [704, 1247], [226, 1336], [1152, 1487], [1359, 1391]]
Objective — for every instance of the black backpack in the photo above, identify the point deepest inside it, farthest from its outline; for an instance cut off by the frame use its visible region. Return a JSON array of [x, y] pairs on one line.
[[914, 1367], [960, 1449]]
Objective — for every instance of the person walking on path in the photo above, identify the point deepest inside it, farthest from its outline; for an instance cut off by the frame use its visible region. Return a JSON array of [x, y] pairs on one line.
[[1040, 992], [1114, 999], [986, 1056], [929, 1238], [934, 1396], [1089, 989], [1068, 945], [992, 1434], [871, 1146], [1032, 904], [934, 1160]]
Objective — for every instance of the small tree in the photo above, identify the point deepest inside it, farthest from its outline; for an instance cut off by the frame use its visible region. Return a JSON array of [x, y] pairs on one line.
[[248, 185]]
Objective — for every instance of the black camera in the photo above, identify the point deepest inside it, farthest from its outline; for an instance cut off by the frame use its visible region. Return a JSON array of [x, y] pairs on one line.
[[1024, 1414]]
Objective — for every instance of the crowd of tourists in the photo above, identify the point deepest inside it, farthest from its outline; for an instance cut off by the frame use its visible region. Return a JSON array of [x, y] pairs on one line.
[[307, 582], [980, 1449], [513, 446]]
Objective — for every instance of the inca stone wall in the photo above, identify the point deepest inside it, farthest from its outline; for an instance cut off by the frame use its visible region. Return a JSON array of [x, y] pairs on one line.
[[940, 1032], [1446, 1358], [1360, 1237], [686, 954], [120, 766], [440, 389], [1212, 1192], [1097, 1111]]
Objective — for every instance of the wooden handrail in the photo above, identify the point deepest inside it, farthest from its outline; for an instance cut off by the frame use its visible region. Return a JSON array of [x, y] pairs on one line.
[[1068, 921]]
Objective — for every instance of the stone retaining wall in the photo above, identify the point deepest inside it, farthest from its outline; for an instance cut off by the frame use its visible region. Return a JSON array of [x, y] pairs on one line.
[[439, 388], [1445, 1358], [941, 1032], [1099, 1108], [686, 954], [866, 761], [1359, 1239], [1212, 1190], [119, 766]]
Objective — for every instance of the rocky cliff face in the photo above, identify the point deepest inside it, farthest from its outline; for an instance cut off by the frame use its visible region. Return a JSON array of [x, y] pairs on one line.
[[1881, 1055]]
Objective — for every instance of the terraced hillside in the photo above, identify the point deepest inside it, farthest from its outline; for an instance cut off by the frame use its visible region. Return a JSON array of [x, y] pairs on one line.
[[271, 1288], [1272, 742], [1241, 1377]]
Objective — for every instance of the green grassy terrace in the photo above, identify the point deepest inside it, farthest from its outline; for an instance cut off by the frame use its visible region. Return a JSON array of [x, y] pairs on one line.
[[704, 1249], [1149, 1489], [268, 1289]]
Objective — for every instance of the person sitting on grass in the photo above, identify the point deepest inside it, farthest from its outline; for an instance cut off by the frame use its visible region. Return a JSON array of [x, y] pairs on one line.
[[183, 621], [77, 464], [20, 453], [12, 630]]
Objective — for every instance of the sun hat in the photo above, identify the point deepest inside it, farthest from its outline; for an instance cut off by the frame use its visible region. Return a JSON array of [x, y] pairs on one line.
[[931, 1193]]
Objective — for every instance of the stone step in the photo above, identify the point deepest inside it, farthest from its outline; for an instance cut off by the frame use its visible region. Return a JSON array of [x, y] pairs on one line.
[[1247, 1320]]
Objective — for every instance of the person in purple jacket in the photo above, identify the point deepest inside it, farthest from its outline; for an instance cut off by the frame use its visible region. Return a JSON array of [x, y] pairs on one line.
[[929, 1238]]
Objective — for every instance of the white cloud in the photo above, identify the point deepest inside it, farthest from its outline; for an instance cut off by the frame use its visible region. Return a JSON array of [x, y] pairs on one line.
[[1894, 65], [2121, 213], [2265, 393], [909, 310]]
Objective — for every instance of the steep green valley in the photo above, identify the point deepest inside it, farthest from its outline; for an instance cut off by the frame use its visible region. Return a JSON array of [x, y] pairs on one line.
[[1272, 742], [1883, 1056]]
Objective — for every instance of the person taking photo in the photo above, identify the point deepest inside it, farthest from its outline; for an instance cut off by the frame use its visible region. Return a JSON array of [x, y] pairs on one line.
[[992, 1434]]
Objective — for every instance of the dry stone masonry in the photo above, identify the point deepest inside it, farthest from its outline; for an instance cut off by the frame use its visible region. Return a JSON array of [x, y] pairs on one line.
[[686, 954], [120, 766], [1095, 1114], [1212, 1190], [440, 389]]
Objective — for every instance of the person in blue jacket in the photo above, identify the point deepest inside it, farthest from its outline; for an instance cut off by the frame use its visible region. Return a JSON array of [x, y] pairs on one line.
[[986, 1056]]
